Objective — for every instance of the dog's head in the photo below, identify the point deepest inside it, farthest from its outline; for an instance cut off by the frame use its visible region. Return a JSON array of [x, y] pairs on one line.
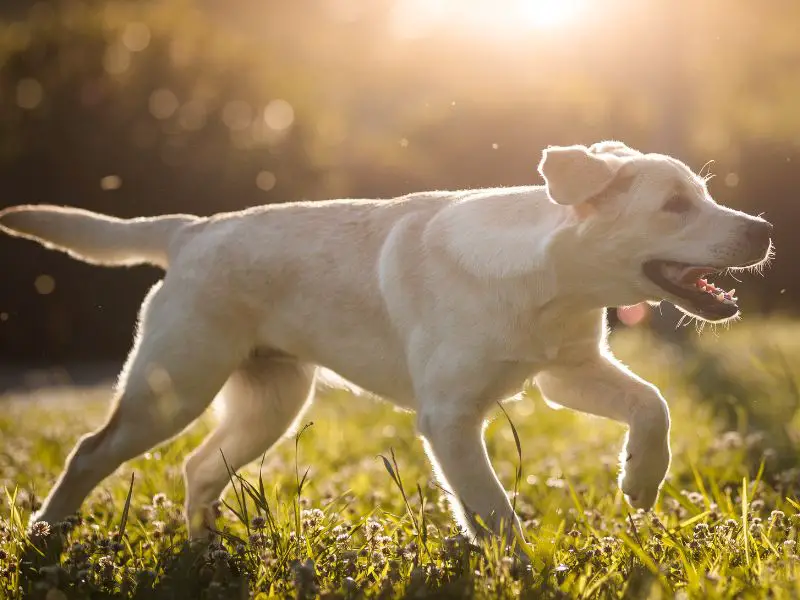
[[647, 225]]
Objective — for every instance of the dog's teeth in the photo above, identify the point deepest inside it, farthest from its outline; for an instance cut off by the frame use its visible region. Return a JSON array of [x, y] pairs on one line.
[[719, 296], [732, 291]]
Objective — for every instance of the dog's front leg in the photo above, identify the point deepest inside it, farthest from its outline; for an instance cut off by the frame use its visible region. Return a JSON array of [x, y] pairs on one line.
[[601, 386], [453, 436]]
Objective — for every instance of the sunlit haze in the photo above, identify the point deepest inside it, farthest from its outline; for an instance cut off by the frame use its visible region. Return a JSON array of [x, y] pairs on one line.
[[412, 18]]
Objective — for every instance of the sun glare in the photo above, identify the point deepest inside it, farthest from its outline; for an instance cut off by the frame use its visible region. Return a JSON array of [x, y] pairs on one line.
[[412, 18], [548, 13]]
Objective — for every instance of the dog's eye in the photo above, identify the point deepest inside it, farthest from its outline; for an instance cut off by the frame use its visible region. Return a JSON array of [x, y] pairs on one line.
[[677, 204]]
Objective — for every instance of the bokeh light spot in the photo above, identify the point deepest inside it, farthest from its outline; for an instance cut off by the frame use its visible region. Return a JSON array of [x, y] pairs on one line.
[[44, 284], [279, 115], [136, 37], [110, 182], [266, 180], [29, 93], [732, 179], [163, 103]]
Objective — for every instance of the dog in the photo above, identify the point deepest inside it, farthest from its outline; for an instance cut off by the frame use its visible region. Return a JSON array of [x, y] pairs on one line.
[[443, 302]]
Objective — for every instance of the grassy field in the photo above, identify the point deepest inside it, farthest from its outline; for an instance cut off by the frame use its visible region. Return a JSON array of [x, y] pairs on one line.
[[726, 525]]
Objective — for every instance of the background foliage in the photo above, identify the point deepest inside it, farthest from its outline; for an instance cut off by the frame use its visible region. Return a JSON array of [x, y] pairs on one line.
[[148, 107]]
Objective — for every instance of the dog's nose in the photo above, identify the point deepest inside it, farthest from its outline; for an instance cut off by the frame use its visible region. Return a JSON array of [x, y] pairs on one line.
[[759, 233]]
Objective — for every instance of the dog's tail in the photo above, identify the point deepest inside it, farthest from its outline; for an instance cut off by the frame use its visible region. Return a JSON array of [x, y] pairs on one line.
[[95, 238]]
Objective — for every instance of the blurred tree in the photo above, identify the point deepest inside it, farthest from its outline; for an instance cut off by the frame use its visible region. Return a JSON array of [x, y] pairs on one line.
[[132, 108], [207, 105]]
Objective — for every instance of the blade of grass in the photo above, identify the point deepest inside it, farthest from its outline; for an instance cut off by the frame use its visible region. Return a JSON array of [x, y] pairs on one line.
[[125, 510], [744, 522]]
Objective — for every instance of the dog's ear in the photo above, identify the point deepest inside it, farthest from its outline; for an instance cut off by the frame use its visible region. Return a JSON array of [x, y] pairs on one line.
[[613, 147], [573, 174]]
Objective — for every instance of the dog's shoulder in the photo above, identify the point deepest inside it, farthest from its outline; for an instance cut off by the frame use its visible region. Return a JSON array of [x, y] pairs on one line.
[[497, 233]]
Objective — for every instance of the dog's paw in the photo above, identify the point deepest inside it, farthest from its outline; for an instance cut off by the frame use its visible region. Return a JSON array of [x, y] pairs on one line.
[[642, 474]]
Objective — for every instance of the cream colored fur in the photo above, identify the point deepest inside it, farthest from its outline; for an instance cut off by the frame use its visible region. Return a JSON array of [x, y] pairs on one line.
[[442, 302]]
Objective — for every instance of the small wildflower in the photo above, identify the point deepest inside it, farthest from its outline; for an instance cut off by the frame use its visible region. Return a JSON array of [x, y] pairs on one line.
[[220, 554], [696, 498], [105, 566], [373, 526], [777, 517], [701, 531], [656, 521], [160, 499], [145, 513], [40, 529], [258, 522], [378, 559]]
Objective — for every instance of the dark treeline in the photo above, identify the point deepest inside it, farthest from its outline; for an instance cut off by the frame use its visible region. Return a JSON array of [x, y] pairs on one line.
[[138, 108]]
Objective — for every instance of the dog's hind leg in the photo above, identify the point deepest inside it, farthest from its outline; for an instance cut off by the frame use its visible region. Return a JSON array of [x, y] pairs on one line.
[[179, 362], [263, 398]]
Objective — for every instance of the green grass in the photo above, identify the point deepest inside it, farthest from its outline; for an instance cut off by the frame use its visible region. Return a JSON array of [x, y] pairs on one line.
[[726, 524]]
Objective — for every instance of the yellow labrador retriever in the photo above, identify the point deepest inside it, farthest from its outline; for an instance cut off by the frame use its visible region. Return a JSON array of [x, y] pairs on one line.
[[442, 302]]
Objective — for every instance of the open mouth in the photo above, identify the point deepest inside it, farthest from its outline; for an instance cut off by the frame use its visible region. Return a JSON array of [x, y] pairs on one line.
[[690, 284]]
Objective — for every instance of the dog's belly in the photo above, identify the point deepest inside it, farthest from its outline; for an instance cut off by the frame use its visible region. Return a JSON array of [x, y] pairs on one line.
[[372, 361], [381, 376]]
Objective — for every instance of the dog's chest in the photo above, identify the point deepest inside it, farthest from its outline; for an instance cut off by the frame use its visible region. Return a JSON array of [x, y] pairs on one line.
[[550, 336]]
